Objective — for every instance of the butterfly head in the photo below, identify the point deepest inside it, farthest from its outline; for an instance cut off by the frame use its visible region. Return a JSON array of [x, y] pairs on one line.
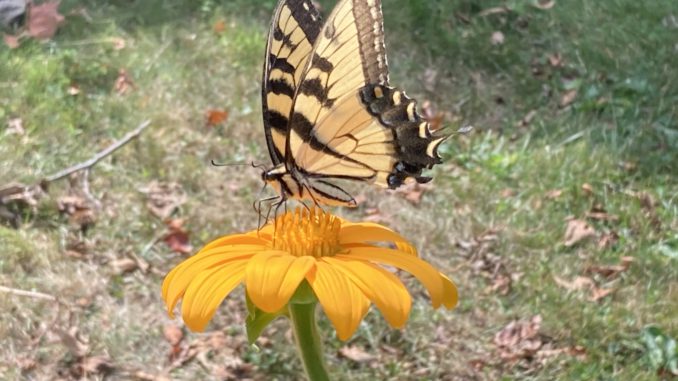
[[275, 177]]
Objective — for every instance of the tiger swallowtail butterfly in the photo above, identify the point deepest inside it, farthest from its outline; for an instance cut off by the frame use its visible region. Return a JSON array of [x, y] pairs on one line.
[[329, 111]]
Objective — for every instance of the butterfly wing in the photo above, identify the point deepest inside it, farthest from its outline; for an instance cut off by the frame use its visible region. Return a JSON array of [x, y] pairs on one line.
[[294, 30], [347, 122]]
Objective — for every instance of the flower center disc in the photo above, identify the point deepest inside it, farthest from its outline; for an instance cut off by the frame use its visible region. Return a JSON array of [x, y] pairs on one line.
[[303, 232]]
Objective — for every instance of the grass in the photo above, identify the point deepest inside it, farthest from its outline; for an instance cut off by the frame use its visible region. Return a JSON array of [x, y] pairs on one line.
[[491, 205]]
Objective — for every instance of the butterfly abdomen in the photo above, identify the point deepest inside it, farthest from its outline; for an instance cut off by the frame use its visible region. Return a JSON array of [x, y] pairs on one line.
[[416, 146]]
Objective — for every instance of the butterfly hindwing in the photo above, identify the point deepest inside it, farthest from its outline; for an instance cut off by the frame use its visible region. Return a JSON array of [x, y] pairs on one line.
[[347, 122], [294, 29]]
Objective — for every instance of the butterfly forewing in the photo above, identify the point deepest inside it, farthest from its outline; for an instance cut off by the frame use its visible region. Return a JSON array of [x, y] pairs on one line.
[[346, 121], [294, 29]]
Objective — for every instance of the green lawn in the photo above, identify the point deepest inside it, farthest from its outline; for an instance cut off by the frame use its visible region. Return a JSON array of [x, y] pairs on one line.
[[575, 121]]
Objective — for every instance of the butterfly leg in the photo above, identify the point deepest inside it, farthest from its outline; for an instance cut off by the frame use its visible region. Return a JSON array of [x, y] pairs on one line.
[[315, 201], [257, 207], [278, 205]]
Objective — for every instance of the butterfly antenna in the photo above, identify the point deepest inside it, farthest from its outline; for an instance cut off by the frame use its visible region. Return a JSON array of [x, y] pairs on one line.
[[214, 163], [258, 166]]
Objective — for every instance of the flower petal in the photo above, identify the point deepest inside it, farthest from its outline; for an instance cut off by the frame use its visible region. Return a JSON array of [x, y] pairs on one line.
[[235, 239], [383, 288], [177, 280], [207, 290], [450, 293], [272, 277], [425, 273], [343, 302], [367, 232]]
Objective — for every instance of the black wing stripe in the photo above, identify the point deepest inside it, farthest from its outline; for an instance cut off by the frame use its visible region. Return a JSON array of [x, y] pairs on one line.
[[277, 121], [295, 25], [322, 63], [280, 86], [304, 128], [280, 64], [315, 88]]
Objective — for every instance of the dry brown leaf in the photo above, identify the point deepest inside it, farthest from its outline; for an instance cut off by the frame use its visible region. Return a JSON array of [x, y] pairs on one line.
[[15, 126], [357, 354], [413, 191], [544, 4], [83, 302], [608, 240], [96, 365], [73, 90], [497, 38], [234, 369], [527, 119], [219, 27], [374, 215], [577, 231], [522, 340], [15, 200], [554, 194], [519, 339], [143, 376], [501, 285], [76, 345], [493, 11], [44, 19], [177, 238], [164, 198], [118, 43], [202, 347], [507, 193], [25, 363], [18, 192], [568, 97], [629, 166], [601, 216], [215, 117], [477, 364], [76, 248], [78, 209], [173, 334], [433, 117], [123, 83], [611, 271], [600, 293], [123, 265], [83, 218], [430, 79], [587, 188], [360, 199], [11, 41], [581, 283], [647, 202], [578, 283], [577, 351], [555, 59]]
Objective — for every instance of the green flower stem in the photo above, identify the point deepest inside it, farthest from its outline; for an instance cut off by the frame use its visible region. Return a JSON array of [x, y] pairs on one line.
[[308, 340]]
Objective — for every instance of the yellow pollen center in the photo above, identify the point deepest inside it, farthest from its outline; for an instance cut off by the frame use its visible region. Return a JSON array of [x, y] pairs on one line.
[[304, 232]]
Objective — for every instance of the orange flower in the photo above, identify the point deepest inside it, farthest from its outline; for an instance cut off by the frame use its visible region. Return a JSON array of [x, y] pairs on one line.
[[337, 258]]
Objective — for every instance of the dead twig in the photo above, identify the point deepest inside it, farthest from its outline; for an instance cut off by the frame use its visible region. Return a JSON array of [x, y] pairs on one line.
[[86, 191], [96, 158], [30, 294], [23, 196]]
